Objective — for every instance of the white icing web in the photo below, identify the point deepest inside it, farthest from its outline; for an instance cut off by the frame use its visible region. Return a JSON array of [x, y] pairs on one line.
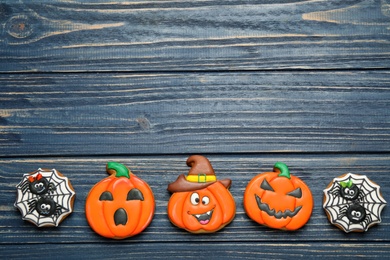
[[59, 192], [369, 198]]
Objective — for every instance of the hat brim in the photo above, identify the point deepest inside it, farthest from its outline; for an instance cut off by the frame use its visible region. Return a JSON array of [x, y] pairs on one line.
[[181, 184]]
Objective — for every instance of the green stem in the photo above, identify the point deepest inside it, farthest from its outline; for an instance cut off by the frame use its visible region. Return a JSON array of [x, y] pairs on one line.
[[120, 169], [284, 171]]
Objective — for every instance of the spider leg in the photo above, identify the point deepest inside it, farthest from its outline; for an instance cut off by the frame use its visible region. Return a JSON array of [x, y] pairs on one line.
[[24, 187], [343, 212], [32, 206], [336, 191], [52, 188], [361, 196], [367, 220]]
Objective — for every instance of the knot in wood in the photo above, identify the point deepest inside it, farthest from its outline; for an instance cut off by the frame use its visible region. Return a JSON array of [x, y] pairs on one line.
[[143, 123], [19, 26]]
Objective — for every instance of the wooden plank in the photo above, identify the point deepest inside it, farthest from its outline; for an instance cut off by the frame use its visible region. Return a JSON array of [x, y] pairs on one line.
[[119, 113], [195, 250], [193, 35], [317, 170]]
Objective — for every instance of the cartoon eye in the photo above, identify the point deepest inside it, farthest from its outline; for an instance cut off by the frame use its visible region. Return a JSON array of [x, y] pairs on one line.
[[135, 194], [265, 185], [38, 185], [351, 192], [356, 214], [106, 196], [45, 206], [195, 198], [205, 200], [297, 193]]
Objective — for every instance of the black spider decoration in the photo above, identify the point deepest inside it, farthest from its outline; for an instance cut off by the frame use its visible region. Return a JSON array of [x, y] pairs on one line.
[[37, 185], [45, 206], [353, 202], [44, 197]]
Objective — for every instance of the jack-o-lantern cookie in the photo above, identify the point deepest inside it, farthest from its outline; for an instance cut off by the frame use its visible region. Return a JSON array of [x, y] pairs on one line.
[[45, 197], [121, 205], [278, 199], [200, 203], [353, 203]]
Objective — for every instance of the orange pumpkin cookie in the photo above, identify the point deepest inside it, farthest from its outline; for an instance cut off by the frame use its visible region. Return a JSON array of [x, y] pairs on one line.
[[278, 199], [200, 203], [121, 205]]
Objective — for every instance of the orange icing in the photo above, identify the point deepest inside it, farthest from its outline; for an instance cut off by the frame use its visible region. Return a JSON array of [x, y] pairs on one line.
[[122, 215], [287, 205]]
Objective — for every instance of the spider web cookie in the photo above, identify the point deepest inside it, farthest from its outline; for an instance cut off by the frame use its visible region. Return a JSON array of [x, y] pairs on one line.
[[45, 197]]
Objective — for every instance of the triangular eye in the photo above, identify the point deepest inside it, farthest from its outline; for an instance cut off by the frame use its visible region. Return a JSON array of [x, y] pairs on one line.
[[106, 196], [265, 185], [297, 193], [135, 194]]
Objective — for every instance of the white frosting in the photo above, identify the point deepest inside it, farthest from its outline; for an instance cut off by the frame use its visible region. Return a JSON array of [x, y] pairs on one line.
[[369, 198], [61, 193]]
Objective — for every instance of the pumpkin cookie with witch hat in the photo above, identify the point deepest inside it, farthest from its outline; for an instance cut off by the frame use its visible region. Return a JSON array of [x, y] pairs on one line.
[[278, 199], [200, 203]]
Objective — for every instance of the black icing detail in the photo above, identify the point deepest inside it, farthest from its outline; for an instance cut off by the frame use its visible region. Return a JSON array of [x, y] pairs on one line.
[[297, 193], [287, 213], [350, 193], [135, 194], [266, 186], [120, 217], [356, 213], [39, 187], [46, 206], [106, 196]]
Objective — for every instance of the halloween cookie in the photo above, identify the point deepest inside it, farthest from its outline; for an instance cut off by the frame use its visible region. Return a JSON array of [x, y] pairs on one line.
[[200, 203], [45, 197], [121, 205], [353, 203], [278, 199]]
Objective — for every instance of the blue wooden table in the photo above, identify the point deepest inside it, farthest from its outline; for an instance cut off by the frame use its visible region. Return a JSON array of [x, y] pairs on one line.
[[148, 83]]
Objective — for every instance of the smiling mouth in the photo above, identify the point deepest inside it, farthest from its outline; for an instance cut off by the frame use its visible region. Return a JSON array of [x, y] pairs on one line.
[[204, 218], [287, 213]]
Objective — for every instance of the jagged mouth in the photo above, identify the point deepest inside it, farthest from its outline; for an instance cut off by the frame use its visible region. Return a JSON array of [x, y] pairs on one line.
[[204, 218], [287, 213], [45, 212]]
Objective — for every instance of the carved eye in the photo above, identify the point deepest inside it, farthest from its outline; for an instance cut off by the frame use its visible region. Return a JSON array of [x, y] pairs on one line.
[[195, 199], [205, 200], [106, 196], [135, 194], [297, 193], [265, 185]]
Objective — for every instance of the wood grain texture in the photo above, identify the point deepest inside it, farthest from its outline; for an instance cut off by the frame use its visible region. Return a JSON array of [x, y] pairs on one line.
[[316, 170], [148, 83], [85, 114], [196, 250], [52, 36]]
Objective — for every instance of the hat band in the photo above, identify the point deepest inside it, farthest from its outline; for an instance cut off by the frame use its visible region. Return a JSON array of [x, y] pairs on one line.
[[201, 178]]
